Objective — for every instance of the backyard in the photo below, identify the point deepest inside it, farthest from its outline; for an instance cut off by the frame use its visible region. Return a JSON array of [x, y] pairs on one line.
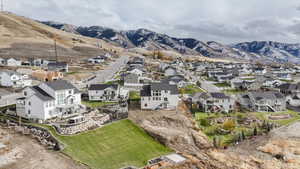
[[228, 127], [113, 146], [96, 104], [134, 96], [191, 89]]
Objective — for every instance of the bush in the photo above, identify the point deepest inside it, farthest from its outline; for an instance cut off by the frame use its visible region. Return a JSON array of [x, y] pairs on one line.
[[229, 125], [205, 122]]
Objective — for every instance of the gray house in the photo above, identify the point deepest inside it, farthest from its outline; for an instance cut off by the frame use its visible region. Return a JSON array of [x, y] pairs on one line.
[[103, 92], [213, 102], [263, 101], [58, 66]]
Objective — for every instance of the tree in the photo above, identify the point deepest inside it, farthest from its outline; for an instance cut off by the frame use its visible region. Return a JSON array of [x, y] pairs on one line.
[[243, 135], [215, 142], [204, 122], [229, 125], [255, 131]]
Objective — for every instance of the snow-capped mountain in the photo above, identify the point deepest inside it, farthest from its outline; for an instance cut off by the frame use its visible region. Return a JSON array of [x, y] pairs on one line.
[[147, 39], [276, 51]]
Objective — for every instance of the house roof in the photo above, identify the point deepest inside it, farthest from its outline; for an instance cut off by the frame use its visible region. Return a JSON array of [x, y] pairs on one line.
[[61, 85], [214, 95], [40, 93], [269, 95], [165, 86], [59, 64], [103, 86], [146, 91]]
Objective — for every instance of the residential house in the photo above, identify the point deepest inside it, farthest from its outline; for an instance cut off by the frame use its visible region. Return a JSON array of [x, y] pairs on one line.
[[49, 100], [292, 93], [170, 71], [107, 92], [136, 70], [46, 76], [98, 59], [178, 80], [260, 70], [13, 62], [134, 82], [213, 102], [263, 101], [9, 78], [58, 66], [159, 96]]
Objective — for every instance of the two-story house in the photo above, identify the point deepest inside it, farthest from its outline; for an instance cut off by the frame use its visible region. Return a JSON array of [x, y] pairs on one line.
[[9, 78], [106, 92], [213, 102], [49, 100], [159, 96], [263, 101]]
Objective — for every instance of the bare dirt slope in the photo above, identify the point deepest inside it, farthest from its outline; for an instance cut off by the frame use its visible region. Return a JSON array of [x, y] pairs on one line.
[[21, 36], [178, 131], [22, 152]]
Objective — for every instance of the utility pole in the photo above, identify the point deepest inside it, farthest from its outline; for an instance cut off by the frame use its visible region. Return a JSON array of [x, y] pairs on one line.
[[55, 48]]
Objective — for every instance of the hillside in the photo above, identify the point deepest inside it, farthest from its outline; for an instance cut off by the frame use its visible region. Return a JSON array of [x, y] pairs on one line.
[[22, 37]]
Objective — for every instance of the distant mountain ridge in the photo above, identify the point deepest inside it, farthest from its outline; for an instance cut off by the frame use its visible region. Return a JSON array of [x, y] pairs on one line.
[[143, 38]]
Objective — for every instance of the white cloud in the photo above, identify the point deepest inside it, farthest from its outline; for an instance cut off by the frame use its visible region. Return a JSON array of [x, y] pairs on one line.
[[220, 20]]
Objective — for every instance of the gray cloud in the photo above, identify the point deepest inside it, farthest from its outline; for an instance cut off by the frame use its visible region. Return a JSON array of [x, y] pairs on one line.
[[218, 20]]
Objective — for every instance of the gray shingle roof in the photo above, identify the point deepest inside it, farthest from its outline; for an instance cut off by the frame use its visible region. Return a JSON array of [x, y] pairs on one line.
[[146, 91], [60, 85], [102, 86], [40, 93]]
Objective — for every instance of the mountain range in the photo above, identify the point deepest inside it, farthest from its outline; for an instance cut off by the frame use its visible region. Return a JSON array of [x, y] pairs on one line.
[[143, 38]]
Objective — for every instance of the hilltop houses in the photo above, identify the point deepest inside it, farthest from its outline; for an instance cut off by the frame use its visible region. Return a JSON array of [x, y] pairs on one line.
[[49, 100]]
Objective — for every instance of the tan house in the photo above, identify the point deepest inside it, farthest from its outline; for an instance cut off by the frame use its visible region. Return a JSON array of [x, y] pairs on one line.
[[47, 75]]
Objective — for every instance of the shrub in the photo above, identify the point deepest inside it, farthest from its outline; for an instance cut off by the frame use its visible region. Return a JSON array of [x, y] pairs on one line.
[[229, 125], [204, 122]]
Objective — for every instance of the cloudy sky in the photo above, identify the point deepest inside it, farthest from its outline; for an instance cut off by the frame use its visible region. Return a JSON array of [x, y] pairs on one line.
[[225, 21]]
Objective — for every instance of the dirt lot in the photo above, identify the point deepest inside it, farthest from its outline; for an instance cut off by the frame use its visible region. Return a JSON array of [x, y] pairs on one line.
[[23, 152]]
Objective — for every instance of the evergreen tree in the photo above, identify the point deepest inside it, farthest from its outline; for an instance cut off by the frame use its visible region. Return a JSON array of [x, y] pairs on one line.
[[255, 131], [243, 135]]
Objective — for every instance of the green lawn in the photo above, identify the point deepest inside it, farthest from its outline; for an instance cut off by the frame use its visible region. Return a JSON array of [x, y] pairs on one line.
[[134, 95], [224, 84], [191, 89], [114, 146], [96, 104]]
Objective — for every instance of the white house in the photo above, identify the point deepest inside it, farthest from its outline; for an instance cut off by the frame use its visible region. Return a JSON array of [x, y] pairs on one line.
[[49, 100], [159, 96], [13, 62], [106, 92], [10, 78], [170, 71]]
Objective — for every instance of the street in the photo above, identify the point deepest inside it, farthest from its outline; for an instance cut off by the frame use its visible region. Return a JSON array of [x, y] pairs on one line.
[[103, 75]]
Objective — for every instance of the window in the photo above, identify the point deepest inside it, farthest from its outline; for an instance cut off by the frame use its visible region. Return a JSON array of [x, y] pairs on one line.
[[29, 111], [29, 103], [146, 105], [156, 93], [61, 98], [166, 99], [25, 93], [70, 91]]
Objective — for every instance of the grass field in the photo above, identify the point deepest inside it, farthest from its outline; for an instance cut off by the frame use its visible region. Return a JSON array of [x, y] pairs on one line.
[[191, 89], [96, 104], [114, 146], [133, 95]]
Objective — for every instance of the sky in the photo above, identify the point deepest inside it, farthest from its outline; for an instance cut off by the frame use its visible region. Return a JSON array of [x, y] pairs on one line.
[[227, 21]]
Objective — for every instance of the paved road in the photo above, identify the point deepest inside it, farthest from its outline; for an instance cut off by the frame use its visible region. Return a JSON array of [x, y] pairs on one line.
[[107, 74], [204, 84]]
